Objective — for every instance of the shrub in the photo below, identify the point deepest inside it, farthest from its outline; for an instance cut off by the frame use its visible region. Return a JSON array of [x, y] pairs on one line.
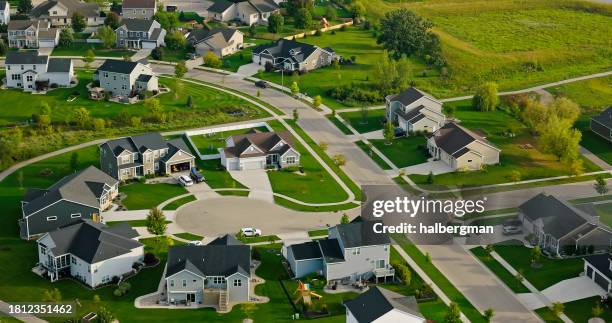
[[149, 258]]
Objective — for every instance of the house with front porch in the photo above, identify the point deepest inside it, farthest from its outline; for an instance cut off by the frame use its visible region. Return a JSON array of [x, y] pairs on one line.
[[215, 275], [89, 252], [414, 111], [259, 150], [32, 34], [60, 12], [145, 155], [601, 124], [598, 268], [140, 34], [560, 228], [461, 148], [290, 55], [351, 252], [82, 195], [29, 71]]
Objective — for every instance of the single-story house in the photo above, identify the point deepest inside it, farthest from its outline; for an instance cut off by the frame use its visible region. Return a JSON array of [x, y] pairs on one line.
[[258, 150], [248, 12], [414, 110], [221, 42], [461, 149], [293, 56], [380, 305], [599, 269], [602, 124]]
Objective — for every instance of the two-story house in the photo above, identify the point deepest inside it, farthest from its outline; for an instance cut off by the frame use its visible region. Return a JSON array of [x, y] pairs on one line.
[[558, 226], [32, 72], [149, 154], [351, 252], [221, 42], [461, 148], [414, 110], [248, 12], [122, 79], [290, 55], [140, 33], [138, 9], [5, 12], [258, 150], [82, 195], [90, 252], [60, 12], [380, 305], [601, 125], [216, 275], [32, 34]]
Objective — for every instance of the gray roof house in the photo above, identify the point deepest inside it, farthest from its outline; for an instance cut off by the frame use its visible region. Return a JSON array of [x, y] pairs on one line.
[[90, 252], [5, 12], [82, 195], [292, 56], [125, 80], [216, 275], [221, 42], [414, 110], [461, 148], [59, 12], [248, 12], [32, 72], [558, 227], [136, 156], [32, 34], [599, 269], [138, 9], [382, 305], [258, 150], [601, 124], [140, 33], [351, 252]]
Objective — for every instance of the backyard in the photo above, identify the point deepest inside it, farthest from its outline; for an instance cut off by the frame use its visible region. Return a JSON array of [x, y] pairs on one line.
[[79, 49]]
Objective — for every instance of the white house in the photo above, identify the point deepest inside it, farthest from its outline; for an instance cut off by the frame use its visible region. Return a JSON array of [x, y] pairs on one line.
[[90, 252], [414, 110], [60, 12], [5, 12], [221, 42], [33, 72], [124, 79], [258, 150], [379, 305], [138, 9], [248, 12], [32, 34]]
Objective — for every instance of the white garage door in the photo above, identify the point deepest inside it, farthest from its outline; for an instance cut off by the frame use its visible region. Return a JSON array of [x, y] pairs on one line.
[[148, 45], [46, 43], [256, 164]]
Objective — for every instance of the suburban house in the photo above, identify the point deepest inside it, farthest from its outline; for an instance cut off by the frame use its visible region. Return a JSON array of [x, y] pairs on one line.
[[602, 124], [380, 305], [140, 33], [138, 9], [414, 110], [351, 252], [124, 80], [293, 56], [599, 269], [60, 12], [216, 275], [82, 195], [461, 149], [248, 12], [33, 72], [221, 42], [5, 12], [90, 252], [149, 154], [32, 34], [258, 150], [558, 226]]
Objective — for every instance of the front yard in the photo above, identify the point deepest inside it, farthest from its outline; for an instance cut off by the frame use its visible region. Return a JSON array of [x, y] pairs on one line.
[[371, 121], [147, 196], [504, 275], [404, 152]]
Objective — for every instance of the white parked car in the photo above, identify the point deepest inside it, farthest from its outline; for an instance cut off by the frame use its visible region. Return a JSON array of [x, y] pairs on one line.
[[196, 243], [250, 232], [185, 180]]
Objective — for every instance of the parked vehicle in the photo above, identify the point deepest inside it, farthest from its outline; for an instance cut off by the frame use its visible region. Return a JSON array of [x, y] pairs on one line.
[[185, 180], [262, 84], [196, 243], [196, 175], [250, 232], [511, 227]]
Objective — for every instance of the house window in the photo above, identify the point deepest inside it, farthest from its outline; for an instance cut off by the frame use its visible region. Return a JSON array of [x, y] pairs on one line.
[[75, 215], [380, 263], [73, 260], [184, 283], [29, 78], [43, 249], [291, 160], [171, 282], [237, 282], [218, 280], [469, 160], [51, 218], [357, 251]]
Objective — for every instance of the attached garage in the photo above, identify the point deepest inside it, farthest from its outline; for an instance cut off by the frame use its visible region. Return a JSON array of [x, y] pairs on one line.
[[599, 269], [148, 45], [46, 43], [179, 167], [246, 164]]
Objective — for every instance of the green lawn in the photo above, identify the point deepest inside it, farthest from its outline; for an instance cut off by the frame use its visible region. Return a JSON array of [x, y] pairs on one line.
[[551, 272], [307, 208], [404, 152], [233, 62], [605, 213], [593, 93], [345, 130], [547, 315], [189, 236], [132, 223], [366, 149], [317, 233], [373, 120], [209, 143], [499, 270], [267, 238], [147, 196], [580, 310], [79, 49], [234, 193], [174, 55], [176, 204]]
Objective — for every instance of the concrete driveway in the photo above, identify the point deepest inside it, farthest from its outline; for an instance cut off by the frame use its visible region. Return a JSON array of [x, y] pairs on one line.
[[257, 181], [249, 69], [436, 167], [141, 54], [573, 289]]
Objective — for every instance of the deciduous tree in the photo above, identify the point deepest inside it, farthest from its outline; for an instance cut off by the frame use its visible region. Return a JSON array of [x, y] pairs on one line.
[[180, 69], [112, 20], [601, 186], [486, 98], [175, 40], [156, 222], [66, 37], [107, 36], [275, 23], [78, 22]]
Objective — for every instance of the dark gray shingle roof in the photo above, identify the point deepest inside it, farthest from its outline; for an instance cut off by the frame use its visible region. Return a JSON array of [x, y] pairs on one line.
[[59, 65], [330, 248], [226, 240], [601, 262], [118, 66], [220, 6], [306, 250], [378, 301], [452, 137], [264, 6], [359, 234], [408, 96], [265, 141], [26, 57], [287, 49], [209, 260], [138, 24], [138, 4], [558, 218], [605, 118]]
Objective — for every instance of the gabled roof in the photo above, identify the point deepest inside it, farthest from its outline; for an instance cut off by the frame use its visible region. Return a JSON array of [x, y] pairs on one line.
[[226, 240], [287, 49], [331, 251], [174, 146], [359, 234], [59, 65], [558, 217], [409, 96], [306, 250], [142, 143], [220, 6], [138, 4], [137, 24], [21, 24], [378, 301], [117, 66], [265, 142], [264, 6], [94, 242], [84, 187], [604, 118], [452, 137], [209, 260], [216, 38], [601, 263], [151, 140], [25, 57], [72, 6]]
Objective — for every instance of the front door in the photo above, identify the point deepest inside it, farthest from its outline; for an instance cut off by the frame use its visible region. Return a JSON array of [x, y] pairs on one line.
[[191, 297]]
